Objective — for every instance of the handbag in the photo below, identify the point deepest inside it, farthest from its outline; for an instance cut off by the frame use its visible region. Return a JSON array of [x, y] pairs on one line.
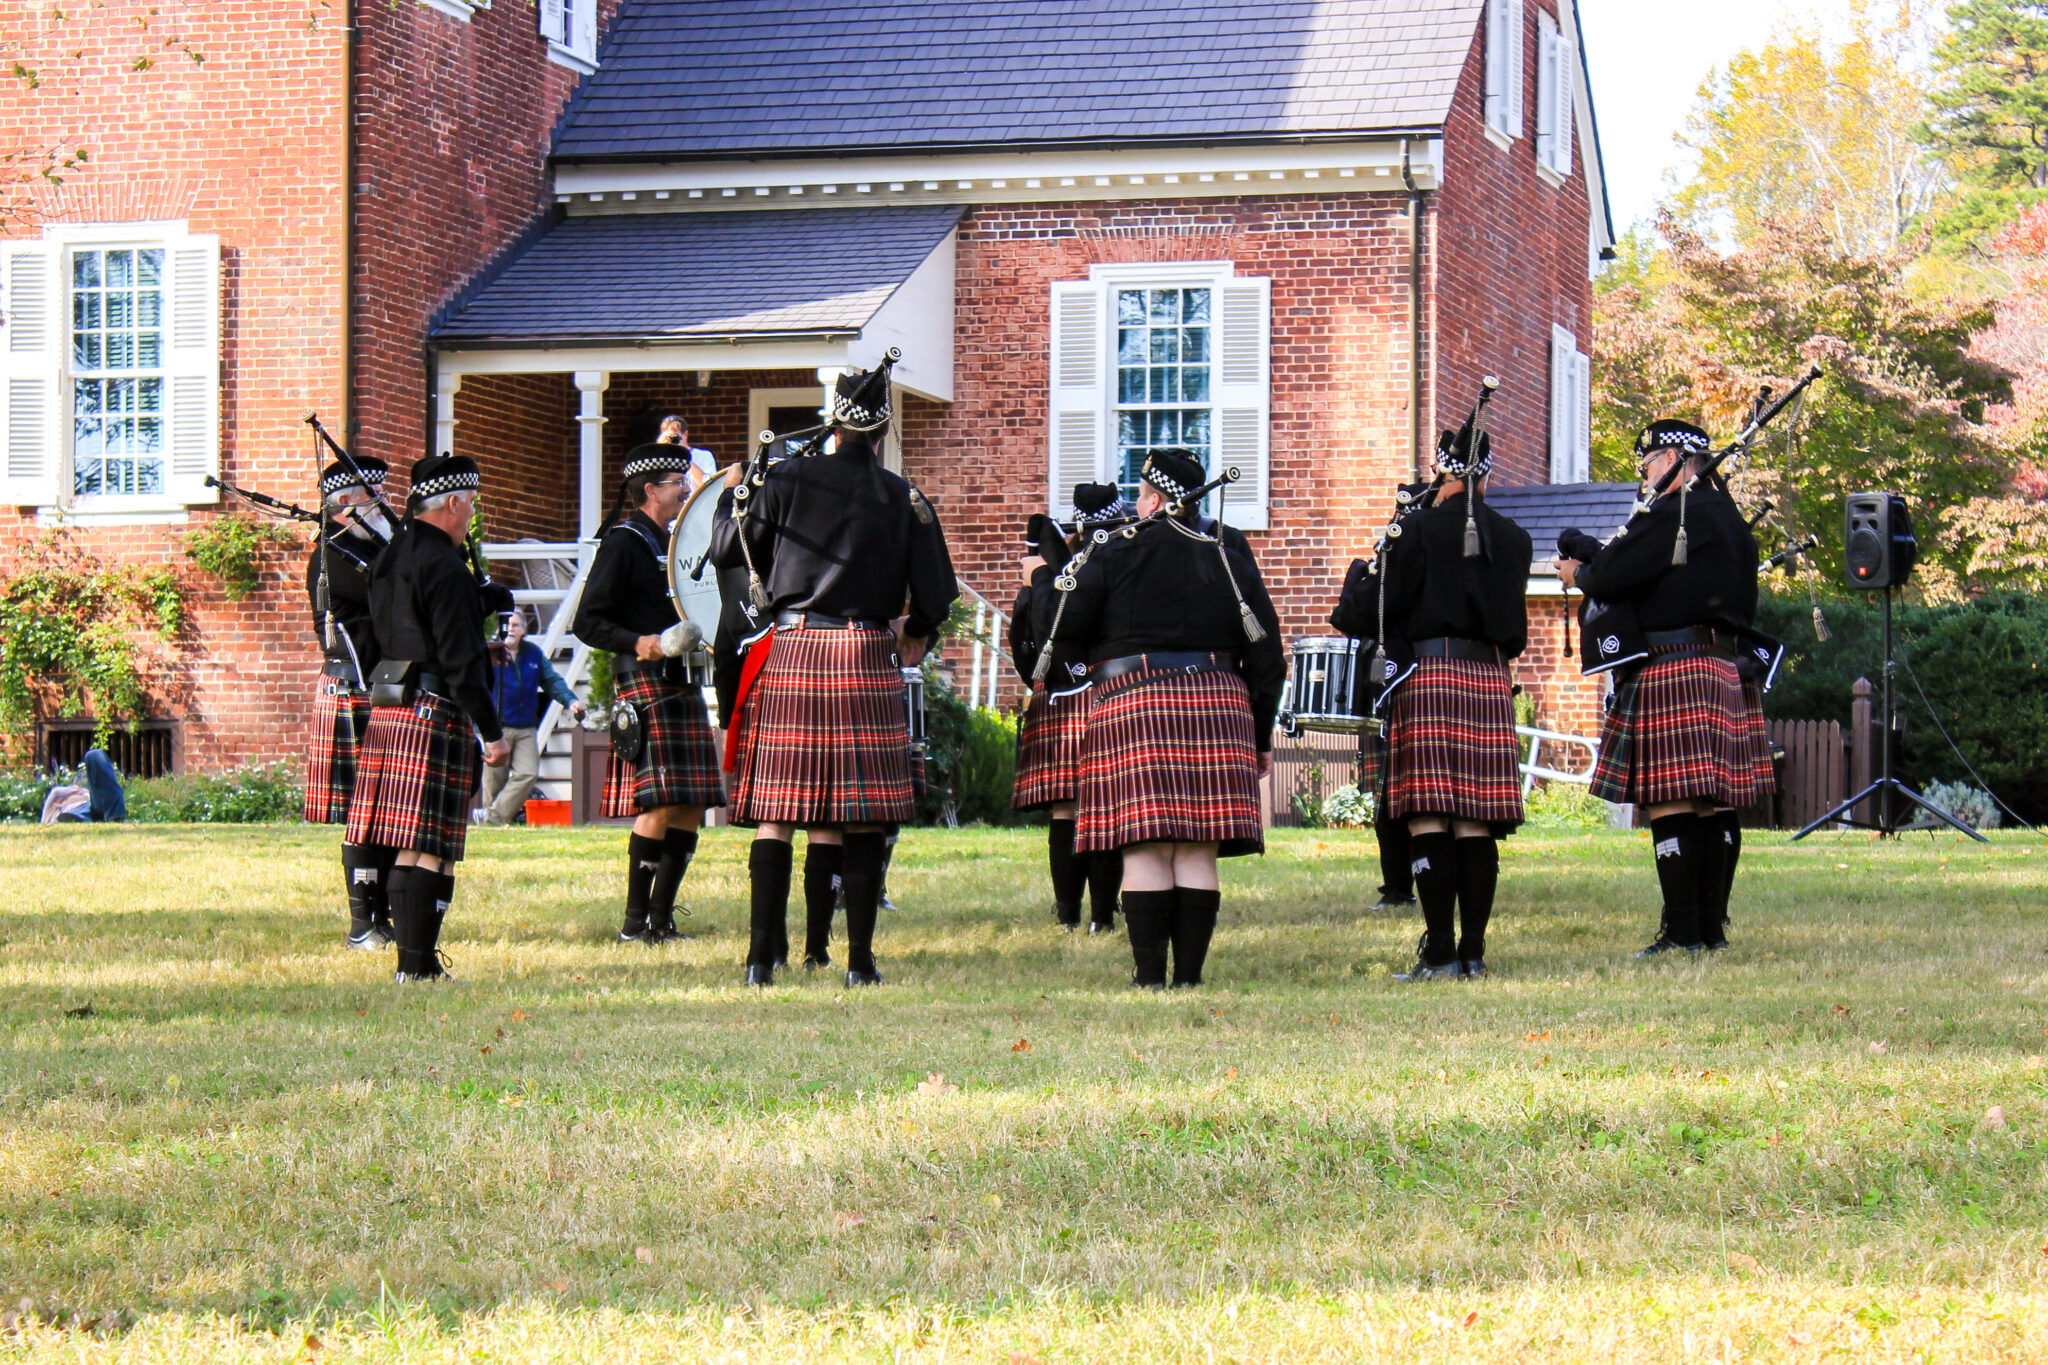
[[394, 682]]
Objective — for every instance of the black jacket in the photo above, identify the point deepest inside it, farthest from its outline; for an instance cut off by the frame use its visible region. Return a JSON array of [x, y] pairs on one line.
[[428, 610], [1715, 586], [1158, 590], [348, 594], [738, 618], [1434, 591], [626, 594], [840, 535], [1030, 623]]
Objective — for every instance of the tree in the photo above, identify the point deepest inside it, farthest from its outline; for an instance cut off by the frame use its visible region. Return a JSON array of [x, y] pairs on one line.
[[1691, 332], [1803, 128], [1989, 112]]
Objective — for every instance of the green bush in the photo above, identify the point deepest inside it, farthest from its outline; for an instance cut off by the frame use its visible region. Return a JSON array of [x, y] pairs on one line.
[[22, 793], [1565, 805], [250, 795], [231, 546], [970, 760]]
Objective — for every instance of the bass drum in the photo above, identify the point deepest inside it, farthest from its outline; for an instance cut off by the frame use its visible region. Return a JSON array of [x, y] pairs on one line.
[[692, 583]]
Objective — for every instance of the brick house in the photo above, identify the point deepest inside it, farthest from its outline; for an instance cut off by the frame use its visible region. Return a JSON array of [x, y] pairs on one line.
[[1291, 236]]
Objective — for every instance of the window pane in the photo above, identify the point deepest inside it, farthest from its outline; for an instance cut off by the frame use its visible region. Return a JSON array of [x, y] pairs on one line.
[[120, 350], [1194, 385], [149, 308], [1196, 303], [1165, 307], [1130, 308], [1130, 386], [85, 309], [1130, 428], [85, 269], [120, 268], [120, 308], [1194, 346], [85, 351], [149, 267], [1130, 346]]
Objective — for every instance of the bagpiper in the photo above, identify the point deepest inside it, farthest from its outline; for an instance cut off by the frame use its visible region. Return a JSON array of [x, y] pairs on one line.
[[834, 545], [1456, 583], [663, 769], [430, 703], [353, 533], [1185, 673], [1056, 715], [1679, 740]]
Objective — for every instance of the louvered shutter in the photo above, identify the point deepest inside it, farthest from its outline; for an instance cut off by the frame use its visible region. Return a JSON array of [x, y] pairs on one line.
[[1554, 85], [1243, 348], [1497, 64], [31, 372], [551, 26], [1563, 404], [1562, 108], [1078, 397], [1582, 418], [192, 368], [583, 29]]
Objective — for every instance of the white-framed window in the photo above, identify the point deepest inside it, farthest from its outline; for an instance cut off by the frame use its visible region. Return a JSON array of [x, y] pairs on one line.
[[1151, 356], [1557, 63], [1571, 409], [570, 26], [110, 369], [1504, 70]]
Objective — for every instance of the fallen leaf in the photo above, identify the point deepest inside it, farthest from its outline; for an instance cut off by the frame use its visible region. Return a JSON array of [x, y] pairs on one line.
[[2033, 1063], [1994, 1117], [1742, 1263], [485, 1049], [1542, 1037], [577, 979], [849, 1220], [1843, 866], [1230, 1075], [1021, 1045], [1878, 1049], [935, 1083], [1216, 1011], [1333, 1018], [362, 1011], [1019, 1358], [1471, 1317], [1842, 1011], [501, 1035], [1798, 1339], [512, 1101], [558, 1286], [994, 1201], [518, 1016], [643, 1255], [312, 1342]]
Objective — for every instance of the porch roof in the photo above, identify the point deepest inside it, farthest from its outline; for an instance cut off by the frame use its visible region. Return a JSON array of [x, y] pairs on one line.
[[761, 275], [1546, 510]]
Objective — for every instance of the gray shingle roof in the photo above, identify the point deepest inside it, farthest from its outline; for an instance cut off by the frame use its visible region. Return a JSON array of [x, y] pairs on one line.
[[719, 77], [703, 274], [1545, 510]]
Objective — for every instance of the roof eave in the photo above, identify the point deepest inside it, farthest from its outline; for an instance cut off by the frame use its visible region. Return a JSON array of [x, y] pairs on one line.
[[640, 341]]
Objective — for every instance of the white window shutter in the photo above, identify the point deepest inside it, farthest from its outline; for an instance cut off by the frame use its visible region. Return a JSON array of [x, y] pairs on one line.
[[1566, 85], [1243, 398], [1582, 418], [1079, 383], [1497, 65], [1563, 404], [551, 27], [192, 368], [1514, 66], [1546, 88], [583, 28], [32, 331]]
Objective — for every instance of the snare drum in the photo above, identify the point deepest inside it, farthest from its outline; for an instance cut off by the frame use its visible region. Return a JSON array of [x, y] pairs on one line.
[[913, 706], [1322, 687]]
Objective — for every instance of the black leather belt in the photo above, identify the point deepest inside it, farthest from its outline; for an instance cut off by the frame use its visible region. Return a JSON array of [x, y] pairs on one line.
[[818, 620], [339, 668], [623, 664], [1186, 661], [676, 671], [436, 684], [1704, 637], [1453, 647]]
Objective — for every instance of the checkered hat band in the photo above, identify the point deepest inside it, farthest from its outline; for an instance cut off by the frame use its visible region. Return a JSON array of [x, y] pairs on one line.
[[446, 483], [656, 464], [1163, 481], [334, 483], [849, 414], [1674, 440]]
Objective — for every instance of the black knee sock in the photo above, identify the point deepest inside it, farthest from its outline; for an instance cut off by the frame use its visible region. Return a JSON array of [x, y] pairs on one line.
[[861, 875], [362, 872], [1478, 864], [387, 860], [1148, 920], [678, 847], [1676, 840], [822, 866], [1722, 833], [643, 861], [439, 895], [1436, 885], [1105, 875], [1194, 924], [419, 903], [404, 918], [1397, 879], [1069, 875], [888, 857], [768, 864]]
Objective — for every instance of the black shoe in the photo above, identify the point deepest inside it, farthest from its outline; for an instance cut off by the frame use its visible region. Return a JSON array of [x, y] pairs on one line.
[[1386, 902], [370, 940], [1668, 945], [1475, 967], [643, 936], [781, 964], [760, 976], [1715, 945], [1423, 971], [1068, 917], [867, 978], [812, 964], [1138, 985], [1096, 926], [1186, 985], [882, 902]]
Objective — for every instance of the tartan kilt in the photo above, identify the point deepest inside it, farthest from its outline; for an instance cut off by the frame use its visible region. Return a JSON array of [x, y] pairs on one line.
[[678, 763], [823, 736], [418, 769], [1049, 749], [341, 714], [1372, 760], [1759, 737], [1170, 756], [1451, 747], [1679, 730]]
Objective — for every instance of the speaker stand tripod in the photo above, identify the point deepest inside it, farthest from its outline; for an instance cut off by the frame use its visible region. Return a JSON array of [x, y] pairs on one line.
[[1887, 787]]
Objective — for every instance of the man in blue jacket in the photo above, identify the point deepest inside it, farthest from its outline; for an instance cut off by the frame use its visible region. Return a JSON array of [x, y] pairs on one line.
[[521, 685]]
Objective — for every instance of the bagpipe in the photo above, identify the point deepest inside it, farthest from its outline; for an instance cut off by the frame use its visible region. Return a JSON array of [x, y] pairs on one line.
[[1610, 637]]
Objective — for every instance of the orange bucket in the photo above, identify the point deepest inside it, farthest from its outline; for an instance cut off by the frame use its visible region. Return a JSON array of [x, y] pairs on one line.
[[547, 812]]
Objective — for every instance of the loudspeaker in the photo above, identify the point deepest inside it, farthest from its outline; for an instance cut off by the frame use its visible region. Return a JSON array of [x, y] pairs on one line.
[[1877, 537]]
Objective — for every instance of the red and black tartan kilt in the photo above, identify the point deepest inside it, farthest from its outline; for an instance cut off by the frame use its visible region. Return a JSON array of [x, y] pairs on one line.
[[1169, 755], [1759, 736], [823, 737], [1049, 749], [1680, 730], [418, 769], [341, 714], [678, 761], [1372, 758], [1451, 746]]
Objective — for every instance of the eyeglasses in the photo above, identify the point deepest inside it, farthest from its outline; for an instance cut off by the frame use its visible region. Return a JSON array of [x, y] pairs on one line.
[[670, 483]]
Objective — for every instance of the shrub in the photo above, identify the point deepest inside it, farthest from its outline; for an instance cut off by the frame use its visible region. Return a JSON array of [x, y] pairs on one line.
[[1347, 808], [69, 629], [251, 795], [231, 546], [986, 771], [1971, 805], [22, 793], [1565, 805]]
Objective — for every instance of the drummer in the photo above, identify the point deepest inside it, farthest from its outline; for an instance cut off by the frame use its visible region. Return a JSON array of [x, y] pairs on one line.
[[626, 609]]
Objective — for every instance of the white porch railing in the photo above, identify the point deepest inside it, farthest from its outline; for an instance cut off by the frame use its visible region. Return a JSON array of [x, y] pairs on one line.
[[563, 600], [1531, 769], [990, 632]]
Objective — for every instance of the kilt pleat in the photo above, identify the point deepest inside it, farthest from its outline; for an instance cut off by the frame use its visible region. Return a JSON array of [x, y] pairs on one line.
[[824, 737], [678, 764], [418, 768], [1759, 737], [1049, 749], [1451, 747], [1372, 759], [341, 714], [1680, 730], [1170, 756]]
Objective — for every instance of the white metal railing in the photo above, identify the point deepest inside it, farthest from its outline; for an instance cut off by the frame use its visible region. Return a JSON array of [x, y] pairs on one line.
[[991, 629], [1531, 769], [560, 620]]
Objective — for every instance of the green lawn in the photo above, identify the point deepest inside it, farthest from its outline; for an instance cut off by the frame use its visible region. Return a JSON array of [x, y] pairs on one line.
[[221, 1135]]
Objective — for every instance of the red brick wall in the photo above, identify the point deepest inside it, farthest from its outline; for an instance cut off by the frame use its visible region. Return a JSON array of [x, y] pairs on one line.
[[1549, 674], [521, 430]]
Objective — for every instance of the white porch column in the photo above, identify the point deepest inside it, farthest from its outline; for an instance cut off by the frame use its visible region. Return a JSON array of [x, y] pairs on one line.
[[828, 375], [591, 384], [446, 386]]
